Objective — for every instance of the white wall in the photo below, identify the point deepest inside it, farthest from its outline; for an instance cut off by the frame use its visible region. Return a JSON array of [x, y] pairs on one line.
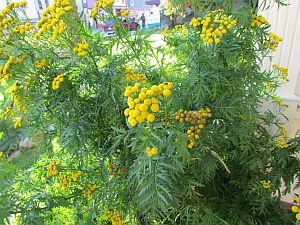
[[79, 5], [285, 23], [2, 4], [31, 9]]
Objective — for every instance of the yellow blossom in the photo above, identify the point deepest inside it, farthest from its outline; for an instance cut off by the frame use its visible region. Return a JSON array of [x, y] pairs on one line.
[[196, 119], [81, 49], [56, 81], [114, 216], [151, 151], [282, 139], [259, 21], [266, 184], [124, 12], [101, 4], [89, 189], [17, 122], [52, 169], [52, 18]]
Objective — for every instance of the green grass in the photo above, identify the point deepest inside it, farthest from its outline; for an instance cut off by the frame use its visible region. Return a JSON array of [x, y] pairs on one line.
[[156, 30]]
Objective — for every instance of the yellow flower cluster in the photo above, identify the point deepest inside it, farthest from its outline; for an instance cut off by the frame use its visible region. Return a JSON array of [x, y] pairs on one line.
[[4, 13], [181, 29], [283, 71], [8, 112], [4, 69], [113, 216], [193, 133], [112, 169], [195, 22], [258, 21], [75, 175], [141, 100], [197, 119], [132, 75], [2, 27], [17, 122], [165, 31], [273, 41], [151, 151], [213, 26], [269, 84], [22, 58], [52, 169], [52, 18], [89, 190], [193, 117], [15, 96], [14, 89], [65, 180], [266, 184], [23, 28], [94, 12], [81, 49], [1, 154], [282, 140], [101, 4], [41, 64], [124, 12], [56, 81], [296, 208], [4, 24]]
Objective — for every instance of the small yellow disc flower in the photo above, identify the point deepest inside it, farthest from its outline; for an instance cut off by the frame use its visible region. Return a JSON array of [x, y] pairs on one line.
[[56, 81], [151, 151], [52, 169], [81, 49], [295, 209], [266, 184], [124, 12]]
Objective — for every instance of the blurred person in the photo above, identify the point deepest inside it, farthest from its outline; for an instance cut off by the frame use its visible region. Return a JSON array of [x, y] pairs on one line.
[[143, 18]]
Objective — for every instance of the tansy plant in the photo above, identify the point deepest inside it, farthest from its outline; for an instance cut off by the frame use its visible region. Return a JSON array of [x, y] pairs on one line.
[[145, 134]]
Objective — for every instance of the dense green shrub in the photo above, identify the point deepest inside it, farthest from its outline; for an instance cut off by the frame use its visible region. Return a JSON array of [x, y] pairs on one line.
[[172, 134]]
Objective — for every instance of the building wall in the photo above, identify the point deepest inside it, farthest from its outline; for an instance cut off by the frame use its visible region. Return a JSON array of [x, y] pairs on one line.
[[90, 3], [120, 3], [138, 5], [285, 23]]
